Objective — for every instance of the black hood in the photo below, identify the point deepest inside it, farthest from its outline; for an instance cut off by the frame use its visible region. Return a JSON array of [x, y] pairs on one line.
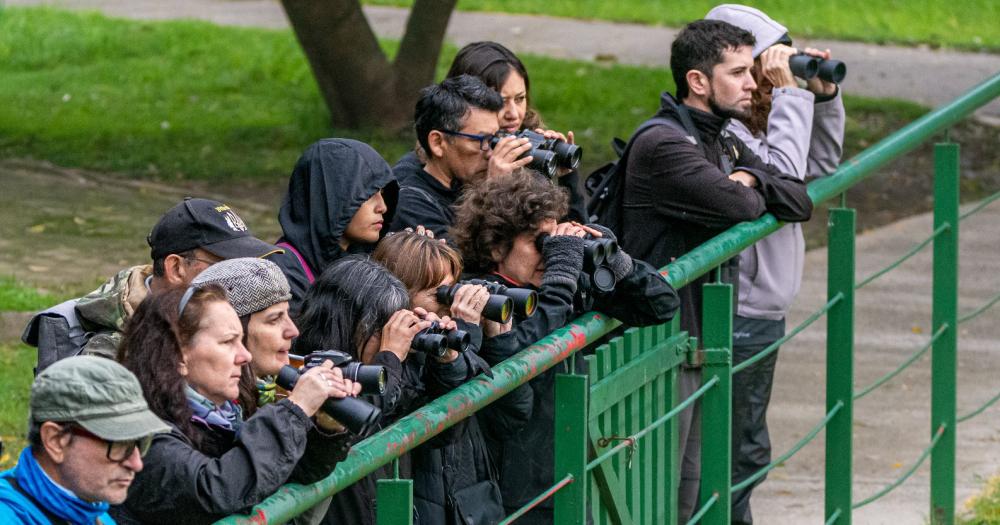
[[331, 180]]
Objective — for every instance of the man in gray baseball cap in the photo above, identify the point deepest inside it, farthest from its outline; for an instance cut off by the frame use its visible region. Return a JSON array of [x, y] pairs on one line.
[[88, 428]]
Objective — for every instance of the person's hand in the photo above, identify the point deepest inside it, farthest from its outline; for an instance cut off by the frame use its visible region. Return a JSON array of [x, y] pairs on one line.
[[469, 302], [446, 323], [398, 333], [319, 383], [744, 178], [573, 229], [504, 157], [420, 230], [774, 65], [816, 84], [552, 134], [493, 328]]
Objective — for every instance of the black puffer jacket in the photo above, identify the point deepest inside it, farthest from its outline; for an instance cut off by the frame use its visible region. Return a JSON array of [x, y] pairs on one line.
[[526, 459], [410, 384], [331, 180], [677, 196], [225, 474]]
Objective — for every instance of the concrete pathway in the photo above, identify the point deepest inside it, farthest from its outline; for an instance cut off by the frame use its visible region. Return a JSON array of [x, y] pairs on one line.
[[918, 74]]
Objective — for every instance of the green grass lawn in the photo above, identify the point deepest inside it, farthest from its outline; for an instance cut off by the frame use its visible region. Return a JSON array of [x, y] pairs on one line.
[[180, 99], [18, 297], [16, 364], [968, 24]]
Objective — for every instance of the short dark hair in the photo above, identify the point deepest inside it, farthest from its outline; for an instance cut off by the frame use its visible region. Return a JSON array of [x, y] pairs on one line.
[[700, 45], [493, 63], [444, 106], [159, 264], [493, 212]]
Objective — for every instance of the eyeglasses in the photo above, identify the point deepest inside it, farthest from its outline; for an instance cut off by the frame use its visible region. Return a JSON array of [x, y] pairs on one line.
[[118, 451], [484, 139]]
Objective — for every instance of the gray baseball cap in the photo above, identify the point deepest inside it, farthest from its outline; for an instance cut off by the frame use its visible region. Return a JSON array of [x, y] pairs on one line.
[[99, 394]]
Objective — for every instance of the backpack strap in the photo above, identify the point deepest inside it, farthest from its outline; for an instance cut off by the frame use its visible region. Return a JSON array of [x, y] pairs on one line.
[[302, 261]]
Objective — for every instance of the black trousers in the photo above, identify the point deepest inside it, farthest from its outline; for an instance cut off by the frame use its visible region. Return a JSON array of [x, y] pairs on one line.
[[751, 395]]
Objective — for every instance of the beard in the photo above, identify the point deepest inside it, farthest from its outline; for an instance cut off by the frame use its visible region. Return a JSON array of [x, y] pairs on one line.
[[728, 112]]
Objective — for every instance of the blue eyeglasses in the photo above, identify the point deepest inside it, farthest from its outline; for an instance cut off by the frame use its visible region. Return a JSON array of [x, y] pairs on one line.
[[483, 139]]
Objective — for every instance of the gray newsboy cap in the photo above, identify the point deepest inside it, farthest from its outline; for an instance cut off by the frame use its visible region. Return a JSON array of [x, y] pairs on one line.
[[252, 284], [98, 394]]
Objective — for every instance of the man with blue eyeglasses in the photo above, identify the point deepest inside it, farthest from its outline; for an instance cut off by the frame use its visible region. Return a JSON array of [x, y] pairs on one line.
[[454, 123], [88, 428]]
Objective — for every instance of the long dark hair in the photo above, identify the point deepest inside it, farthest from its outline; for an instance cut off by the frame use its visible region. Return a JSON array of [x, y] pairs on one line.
[[151, 349], [492, 63], [350, 302]]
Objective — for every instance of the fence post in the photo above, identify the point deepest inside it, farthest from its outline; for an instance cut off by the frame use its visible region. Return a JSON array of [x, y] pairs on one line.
[[572, 393], [840, 365], [716, 406], [945, 314], [394, 502]]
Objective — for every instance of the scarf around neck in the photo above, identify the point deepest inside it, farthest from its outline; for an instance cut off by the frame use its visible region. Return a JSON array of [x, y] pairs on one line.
[[228, 416], [266, 390], [55, 498]]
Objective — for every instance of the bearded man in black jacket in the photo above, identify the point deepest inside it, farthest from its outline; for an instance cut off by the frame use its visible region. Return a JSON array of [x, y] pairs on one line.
[[688, 182]]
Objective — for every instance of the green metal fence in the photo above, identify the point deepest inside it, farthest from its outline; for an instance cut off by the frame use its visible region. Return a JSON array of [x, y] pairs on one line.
[[616, 428]]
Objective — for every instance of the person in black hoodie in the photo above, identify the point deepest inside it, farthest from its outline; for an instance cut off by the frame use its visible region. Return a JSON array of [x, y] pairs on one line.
[[340, 197], [454, 122], [688, 182], [498, 225]]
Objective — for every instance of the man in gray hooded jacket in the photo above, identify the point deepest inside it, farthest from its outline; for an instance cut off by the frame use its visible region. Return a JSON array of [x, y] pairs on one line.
[[800, 132]]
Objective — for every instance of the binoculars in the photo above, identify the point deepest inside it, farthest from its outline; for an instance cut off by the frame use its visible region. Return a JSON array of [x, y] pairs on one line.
[[546, 154], [807, 66], [359, 417], [436, 341], [503, 301], [596, 250]]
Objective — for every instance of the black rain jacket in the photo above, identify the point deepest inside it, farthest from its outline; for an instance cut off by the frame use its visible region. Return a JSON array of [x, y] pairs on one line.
[[330, 182]]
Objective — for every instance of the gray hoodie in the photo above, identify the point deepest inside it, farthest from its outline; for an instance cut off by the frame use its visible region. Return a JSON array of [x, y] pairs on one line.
[[803, 138]]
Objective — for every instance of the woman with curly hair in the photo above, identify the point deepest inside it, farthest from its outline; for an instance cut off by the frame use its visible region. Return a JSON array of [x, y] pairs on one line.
[[508, 230]]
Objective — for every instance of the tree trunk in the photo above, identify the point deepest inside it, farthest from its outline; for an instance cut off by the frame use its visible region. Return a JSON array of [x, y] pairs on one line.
[[357, 82]]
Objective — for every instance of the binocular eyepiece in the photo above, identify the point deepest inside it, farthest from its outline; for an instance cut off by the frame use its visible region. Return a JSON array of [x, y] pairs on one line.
[[807, 66], [546, 154], [436, 341], [359, 417]]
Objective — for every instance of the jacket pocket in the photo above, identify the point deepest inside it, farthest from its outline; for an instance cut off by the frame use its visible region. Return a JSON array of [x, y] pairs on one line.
[[478, 504]]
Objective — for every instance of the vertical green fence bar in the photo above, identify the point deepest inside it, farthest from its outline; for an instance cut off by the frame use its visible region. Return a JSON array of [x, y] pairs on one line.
[[716, 406], [572, 392], [945, 313], [395, 502], [840, 364]]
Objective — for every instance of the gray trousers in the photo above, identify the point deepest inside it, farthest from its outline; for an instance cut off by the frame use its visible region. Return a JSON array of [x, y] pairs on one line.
[[689, 422]]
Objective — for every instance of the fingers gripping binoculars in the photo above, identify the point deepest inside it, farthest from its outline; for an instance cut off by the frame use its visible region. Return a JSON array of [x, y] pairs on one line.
[[358, 416], [503, 301], [546, 154], [807, 66], [436, 341], [596, 251]]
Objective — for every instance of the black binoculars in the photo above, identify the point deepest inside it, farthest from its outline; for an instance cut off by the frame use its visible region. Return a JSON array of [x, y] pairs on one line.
[[436, 341], [546, 154], [807, 66], [357, 416], [503, 301], [596, 251]]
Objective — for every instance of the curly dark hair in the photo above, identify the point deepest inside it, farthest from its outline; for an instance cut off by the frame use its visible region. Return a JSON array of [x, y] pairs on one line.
[[492, 213], [151, 349]]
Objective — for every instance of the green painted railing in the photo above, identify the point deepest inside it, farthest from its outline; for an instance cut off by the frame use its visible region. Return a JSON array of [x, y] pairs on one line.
[[616, 428]]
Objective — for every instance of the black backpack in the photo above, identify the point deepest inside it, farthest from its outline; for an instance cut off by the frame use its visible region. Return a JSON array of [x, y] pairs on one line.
[[606, 185]]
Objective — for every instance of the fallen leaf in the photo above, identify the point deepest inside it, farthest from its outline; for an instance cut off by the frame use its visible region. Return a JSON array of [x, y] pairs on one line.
[[38, 228]]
